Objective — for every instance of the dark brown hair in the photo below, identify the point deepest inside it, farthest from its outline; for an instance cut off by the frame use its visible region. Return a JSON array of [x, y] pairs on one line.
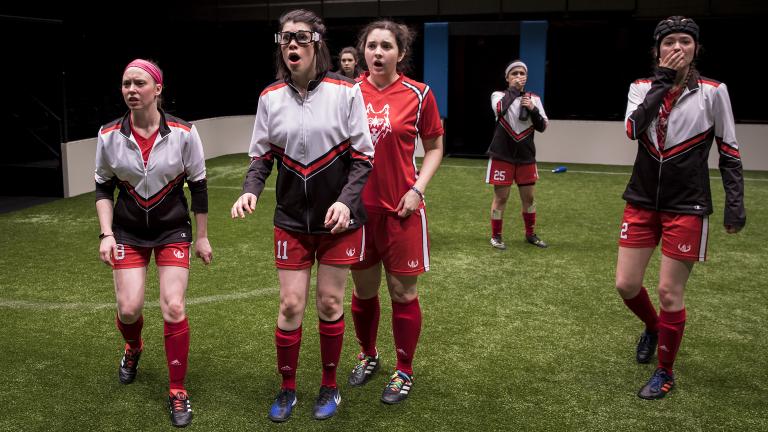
[[351, 50], [404, 37], [322, 55]]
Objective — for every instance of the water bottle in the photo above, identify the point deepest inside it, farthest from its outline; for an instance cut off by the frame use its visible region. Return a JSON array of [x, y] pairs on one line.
[[523, 110], [560, 169]]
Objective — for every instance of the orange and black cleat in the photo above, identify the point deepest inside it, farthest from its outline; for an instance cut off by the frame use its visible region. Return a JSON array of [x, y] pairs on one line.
[[658, 386]]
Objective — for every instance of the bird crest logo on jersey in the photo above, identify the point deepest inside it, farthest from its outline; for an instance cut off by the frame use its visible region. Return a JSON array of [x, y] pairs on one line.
[[378, 123], [684, 248], [351, 252]]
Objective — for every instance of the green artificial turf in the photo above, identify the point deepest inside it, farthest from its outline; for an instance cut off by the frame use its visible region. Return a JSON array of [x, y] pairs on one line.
[[522, 339]]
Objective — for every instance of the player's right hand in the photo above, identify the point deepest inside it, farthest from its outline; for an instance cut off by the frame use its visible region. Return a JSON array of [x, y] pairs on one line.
[[246, 202], [674, 59], [107, 249]]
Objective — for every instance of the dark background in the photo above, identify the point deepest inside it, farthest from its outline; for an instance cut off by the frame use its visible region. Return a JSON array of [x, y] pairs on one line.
[[62, 63]]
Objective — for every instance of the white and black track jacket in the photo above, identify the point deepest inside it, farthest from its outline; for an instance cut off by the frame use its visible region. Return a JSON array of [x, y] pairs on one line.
[[513, 138], [151, 208], [676, 178], [323, 146]]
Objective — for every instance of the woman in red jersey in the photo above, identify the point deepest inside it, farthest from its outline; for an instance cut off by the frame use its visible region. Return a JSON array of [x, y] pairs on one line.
[[513, 152], [313, 121], [675, 116], [148, 155], [399, 111]]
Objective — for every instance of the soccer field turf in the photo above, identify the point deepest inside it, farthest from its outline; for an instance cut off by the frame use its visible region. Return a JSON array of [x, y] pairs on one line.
[[522, 339]]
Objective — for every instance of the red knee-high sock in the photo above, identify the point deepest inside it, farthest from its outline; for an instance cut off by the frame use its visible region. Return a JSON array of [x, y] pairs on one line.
[[671, 327], [365, 314], [406, 328], [496, 226], [642, 307], [177, 352], [288, 344], [530, 223], [331, 340], [131, 332]]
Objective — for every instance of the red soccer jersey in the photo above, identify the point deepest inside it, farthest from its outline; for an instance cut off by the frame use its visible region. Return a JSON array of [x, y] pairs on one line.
[[145, 144], [396, 115]]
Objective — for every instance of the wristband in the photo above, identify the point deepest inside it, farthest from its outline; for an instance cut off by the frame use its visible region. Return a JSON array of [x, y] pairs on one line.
[[418, 192], [102, 236]]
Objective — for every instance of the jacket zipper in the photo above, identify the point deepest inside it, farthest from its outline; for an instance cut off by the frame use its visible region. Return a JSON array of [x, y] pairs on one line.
[[303, 143], [658, 180]]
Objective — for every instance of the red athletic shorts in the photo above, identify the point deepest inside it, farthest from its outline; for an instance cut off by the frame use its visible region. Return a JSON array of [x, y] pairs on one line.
[[504, 173], [296, 251], [172, 254], [683, 236], [402, 244]]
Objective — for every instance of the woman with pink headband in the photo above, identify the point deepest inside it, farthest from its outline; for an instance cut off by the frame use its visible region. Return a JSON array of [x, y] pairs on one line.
[[148, 155]]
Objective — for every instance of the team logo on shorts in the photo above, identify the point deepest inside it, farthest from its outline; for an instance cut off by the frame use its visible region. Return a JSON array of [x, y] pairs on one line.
[[684, 248], [378, 123], [351, 252], [413, 263], [178, 254]]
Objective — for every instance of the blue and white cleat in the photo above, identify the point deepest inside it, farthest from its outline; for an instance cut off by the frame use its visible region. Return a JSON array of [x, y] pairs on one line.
[[282, 408], [327, 403]]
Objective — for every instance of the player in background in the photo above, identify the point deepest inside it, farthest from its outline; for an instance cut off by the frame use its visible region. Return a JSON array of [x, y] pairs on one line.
[[349, 66], [675, 115], [148, 155], [513, 153], [399, 110], [313, 122]]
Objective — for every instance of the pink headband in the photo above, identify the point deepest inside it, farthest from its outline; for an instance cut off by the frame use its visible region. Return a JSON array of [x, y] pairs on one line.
[[150, 68]]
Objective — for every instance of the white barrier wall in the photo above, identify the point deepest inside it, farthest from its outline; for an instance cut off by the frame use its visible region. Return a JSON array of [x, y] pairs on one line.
[[566, 141], [605, 142], [220, 136]]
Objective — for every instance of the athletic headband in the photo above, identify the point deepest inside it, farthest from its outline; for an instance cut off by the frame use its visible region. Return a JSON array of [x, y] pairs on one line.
[[150, 68], [514, 64]]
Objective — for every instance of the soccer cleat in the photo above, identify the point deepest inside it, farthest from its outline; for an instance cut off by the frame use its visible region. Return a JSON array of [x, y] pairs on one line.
[[180, 409], [327, 403], [498, 243], [646, 346], [398, 388], [658, 386], [364, 369], [129, 364], [282, 407], [536, 241]]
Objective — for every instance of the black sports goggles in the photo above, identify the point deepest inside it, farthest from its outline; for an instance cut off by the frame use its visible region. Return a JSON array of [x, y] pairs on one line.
[[302, 37]]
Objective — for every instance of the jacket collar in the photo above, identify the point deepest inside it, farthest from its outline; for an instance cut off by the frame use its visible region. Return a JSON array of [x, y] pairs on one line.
[[312, 83], [125, 125]]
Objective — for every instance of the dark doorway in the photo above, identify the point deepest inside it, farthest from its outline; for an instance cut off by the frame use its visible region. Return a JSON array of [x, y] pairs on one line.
[[32, 115], [476, 70]]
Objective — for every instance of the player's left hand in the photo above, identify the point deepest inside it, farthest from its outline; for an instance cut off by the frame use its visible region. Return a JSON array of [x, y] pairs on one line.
[[526, 101], [408, 204], [337, 217], [203, 250], [732, 229]]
